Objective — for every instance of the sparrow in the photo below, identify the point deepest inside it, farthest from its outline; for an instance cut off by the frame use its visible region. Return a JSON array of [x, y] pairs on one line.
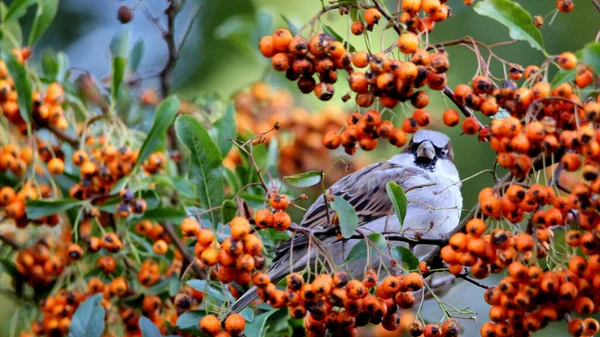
[[426, 172]]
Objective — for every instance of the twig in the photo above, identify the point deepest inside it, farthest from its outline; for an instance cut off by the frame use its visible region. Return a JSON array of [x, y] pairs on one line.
[[187, 256], [189, 27], [388, 17], [62, 135], [169, 37], [469, 279], [597, 4], [463, 108], [153, 18]]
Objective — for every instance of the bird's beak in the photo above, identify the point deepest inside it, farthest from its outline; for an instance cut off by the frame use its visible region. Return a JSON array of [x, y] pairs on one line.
[[426, 151]]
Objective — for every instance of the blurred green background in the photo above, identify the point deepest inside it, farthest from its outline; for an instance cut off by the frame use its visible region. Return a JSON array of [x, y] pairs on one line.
[[220, 55]]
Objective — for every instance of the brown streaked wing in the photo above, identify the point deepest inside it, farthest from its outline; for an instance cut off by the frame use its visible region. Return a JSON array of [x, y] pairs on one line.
[[364, 190]]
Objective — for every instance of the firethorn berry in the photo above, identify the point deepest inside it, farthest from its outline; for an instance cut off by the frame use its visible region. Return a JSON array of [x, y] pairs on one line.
[[234, 324], [210, 325], [190, 227], [281, 220], [565, 6], [280, 62], [160, 247], [408, 43], [282, 38], [411, 6], [567, 60], [240, 227], [410, 125], [124, 14], [422, 117], [279, 201], [331, 140], [470, 126], [357, 28], [571, 162], [361, 59], [372, 16], [56, 166], [267, 46]]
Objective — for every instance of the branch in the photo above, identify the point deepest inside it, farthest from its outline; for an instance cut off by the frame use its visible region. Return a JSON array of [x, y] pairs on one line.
[[169, 37], [62, 135], [597, 4], [463, 108], [388, 17], [467, 278], [187, 256]]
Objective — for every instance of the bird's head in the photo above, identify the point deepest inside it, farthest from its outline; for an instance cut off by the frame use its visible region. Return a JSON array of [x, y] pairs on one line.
[[431, 150]]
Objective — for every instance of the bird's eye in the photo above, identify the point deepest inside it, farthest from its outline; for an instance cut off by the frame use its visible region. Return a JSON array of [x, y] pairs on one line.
[[442, 153]]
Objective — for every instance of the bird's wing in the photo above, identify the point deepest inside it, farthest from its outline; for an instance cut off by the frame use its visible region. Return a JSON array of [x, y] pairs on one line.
[[364, 190]]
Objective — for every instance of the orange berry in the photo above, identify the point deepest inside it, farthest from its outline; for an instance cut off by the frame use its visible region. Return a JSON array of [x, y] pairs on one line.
[[281, 39], [408, 43], [56, 166], [281, 220], [210, 325], [451, 117], [239, 227], [234, 324], [470, 126]]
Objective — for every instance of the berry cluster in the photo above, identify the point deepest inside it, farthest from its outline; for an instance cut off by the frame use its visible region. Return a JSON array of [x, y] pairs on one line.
[[261, 107]]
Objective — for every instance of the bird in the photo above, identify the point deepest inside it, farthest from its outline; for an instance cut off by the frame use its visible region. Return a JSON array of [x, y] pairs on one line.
[[424, 169]]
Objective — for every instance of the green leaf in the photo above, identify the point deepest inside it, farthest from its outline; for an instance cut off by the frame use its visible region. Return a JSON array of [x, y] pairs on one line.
[[305, 179], [378, 241], [257, 327], [182, 185], [512, 15], [119, 185], [208, 289], [136, 55], [291, 26], [17, 9], [205, 162], [225, 128], [591, 56], [148, 328], [248, 314], [190, 319], [54, 65], [88, 319], [228, 210], [406, 257], [163, 118], [347, 216], [19, 74], [119, 44], [164, 214], [117, 74], [36, 209], [563, 76], [398, 198], [44, 15], [338, 37], [11, 35], [358, 251]]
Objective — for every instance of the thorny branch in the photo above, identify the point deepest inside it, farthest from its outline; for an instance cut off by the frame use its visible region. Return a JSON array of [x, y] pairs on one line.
[[187, 256]]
